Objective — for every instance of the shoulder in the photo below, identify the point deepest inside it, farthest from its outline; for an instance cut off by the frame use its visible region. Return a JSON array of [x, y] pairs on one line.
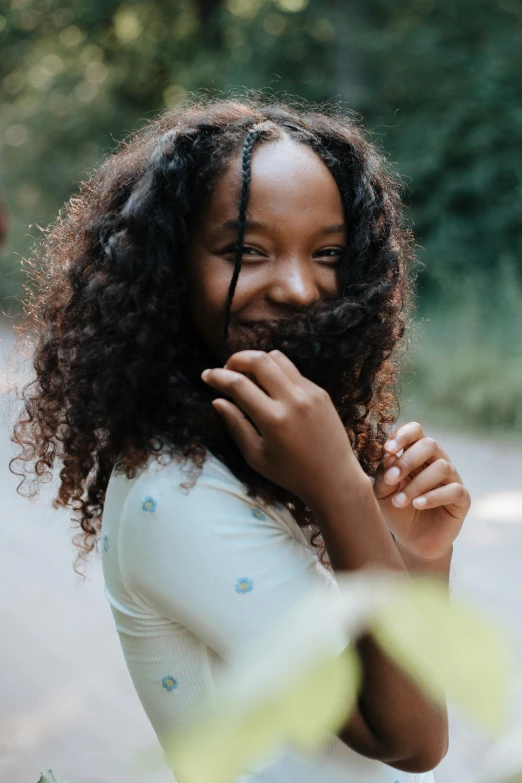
[[168, 475], [178, 493], [181, 528]]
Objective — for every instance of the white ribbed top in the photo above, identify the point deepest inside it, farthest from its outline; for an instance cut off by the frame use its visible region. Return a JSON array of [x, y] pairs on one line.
[[189, 574]]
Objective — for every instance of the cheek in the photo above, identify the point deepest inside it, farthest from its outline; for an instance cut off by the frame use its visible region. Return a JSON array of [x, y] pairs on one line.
[[327, 280], [331, 281]]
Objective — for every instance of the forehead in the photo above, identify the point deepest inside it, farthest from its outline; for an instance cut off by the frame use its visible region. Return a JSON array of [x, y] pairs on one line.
[[286, 178]]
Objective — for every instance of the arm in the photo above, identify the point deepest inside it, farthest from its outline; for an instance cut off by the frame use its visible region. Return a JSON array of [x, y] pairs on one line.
[[393, 722]]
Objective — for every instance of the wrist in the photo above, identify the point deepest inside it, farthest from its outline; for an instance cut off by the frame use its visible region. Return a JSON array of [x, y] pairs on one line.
[[353, 528], [332, 497], [438, 567]]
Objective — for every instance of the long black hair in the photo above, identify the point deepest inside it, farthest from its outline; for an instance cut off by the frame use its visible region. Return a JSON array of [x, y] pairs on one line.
[[117, 362], [246, 162]]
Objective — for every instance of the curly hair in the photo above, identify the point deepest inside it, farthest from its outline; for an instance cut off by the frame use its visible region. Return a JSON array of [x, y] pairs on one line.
[[117, 363]]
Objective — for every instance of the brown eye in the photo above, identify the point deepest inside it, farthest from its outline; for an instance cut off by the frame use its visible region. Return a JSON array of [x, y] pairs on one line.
[[247, 251], [331, 253]]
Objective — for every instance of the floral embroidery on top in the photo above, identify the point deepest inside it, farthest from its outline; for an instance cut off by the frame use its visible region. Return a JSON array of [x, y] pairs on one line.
[[169, 683], [258, 514], [105, 543], [244, 585], [149, 504]]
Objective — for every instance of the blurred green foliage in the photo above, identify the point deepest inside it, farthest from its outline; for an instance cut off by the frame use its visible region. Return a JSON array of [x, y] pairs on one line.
[[438, 84], [444, 80], [78, 76], [467, 360]]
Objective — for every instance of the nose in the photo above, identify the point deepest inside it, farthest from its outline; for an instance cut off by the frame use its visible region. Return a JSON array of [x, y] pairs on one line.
[[294, 283]]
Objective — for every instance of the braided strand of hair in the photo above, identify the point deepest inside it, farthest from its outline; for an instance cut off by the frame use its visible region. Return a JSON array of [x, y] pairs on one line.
[[248, 146]]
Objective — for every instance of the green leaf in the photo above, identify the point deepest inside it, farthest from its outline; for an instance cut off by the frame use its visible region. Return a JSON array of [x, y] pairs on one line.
[[237, 737], [447, 647], [290, 685], [48, 777], [295, 685]]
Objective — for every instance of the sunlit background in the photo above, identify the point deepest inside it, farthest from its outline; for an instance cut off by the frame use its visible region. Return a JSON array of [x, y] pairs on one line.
[[438, 84]]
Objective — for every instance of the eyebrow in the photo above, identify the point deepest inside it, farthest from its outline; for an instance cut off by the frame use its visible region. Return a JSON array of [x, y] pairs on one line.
[[337, 228], [232, 226]]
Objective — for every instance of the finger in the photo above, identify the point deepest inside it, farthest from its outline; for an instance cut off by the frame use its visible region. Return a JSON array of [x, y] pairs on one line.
[[389, 460], [403, 437], [439, 472], [242, 431], [287, 366], [425, 450], [455, 497], [248, 397], [386, 463], [264, 369], [380, 487]]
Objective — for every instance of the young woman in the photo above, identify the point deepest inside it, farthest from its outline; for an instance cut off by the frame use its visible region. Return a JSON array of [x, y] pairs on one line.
[[216, 321]]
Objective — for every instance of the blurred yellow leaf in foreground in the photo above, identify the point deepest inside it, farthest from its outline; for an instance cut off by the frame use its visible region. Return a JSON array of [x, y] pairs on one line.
[[448, 649], [302, 716], [296, 686]]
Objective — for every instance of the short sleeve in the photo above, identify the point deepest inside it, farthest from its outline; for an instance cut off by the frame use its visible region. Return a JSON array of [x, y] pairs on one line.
[[213, 560]]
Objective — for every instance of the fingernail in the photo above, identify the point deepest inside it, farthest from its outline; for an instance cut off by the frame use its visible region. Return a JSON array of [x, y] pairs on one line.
[[399, 500], [419, 502], [391, 445], [204, 374], [392, 475]]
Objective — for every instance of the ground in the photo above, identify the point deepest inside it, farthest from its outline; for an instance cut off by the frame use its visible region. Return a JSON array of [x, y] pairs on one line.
[[67, 701]]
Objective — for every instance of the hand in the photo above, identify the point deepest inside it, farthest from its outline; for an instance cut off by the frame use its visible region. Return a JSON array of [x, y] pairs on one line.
[[421, 495], [293, 435]]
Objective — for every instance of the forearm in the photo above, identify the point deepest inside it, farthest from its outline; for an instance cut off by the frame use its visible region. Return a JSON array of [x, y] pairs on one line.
[[393, 722], [354, 530], [427, 726]]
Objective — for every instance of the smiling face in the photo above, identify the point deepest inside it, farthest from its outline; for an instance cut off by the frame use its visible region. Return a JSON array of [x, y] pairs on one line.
[[294, 239]]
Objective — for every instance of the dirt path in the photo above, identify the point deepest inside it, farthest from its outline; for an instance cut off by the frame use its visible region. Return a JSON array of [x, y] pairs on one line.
[[66, 700]]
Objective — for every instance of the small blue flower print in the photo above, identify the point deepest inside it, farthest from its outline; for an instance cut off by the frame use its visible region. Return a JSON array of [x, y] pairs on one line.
[[279, 506], [105, 543], [258, 514], [149, 504], [244, 585], [169, 683]]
